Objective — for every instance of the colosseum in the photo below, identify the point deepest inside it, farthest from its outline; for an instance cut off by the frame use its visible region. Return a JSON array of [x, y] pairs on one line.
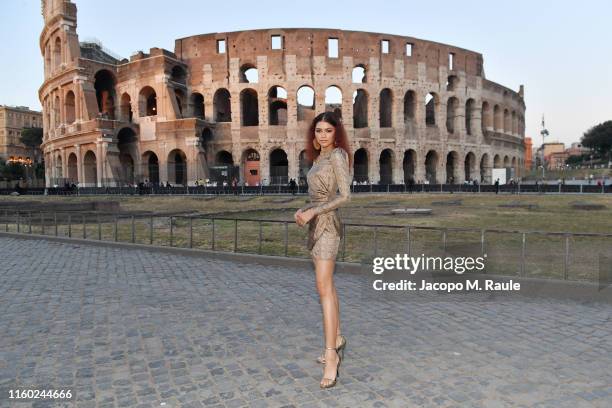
[[238, 104]]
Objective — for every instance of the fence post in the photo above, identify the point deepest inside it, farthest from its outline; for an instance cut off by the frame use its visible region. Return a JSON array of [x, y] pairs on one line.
[[55, 222], [444, 240], [190, 232], [260, 236], [69, 225], [29, 222], [151, 230], [84, 227], [523, 271], [408, 240], [286, 238], [171, 231], [18, 221], [213, 234], [235, 235], [482, 242], [133, 229], [566, 260]]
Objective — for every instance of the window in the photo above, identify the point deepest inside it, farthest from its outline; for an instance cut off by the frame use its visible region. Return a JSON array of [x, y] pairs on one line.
[[277, 42], [332, 47], [220, 46], [451, 61], [384, 46], [409, 49]]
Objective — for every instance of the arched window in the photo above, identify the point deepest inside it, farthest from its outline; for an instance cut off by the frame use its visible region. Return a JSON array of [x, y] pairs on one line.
[[431, 102], [277, 106], [249, 74], [249, 107], [409, 106], [69, 107], [222, 106], [469, 116], [126, 108], [452, 107], [305, 103], [359, 74], [57, 53], [197, 105], [333, 100], [386, 108], [147, 102], [105, 93], [360, 109]]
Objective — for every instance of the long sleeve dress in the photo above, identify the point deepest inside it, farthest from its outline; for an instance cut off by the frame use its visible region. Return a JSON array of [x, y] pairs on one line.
[[329, 172]]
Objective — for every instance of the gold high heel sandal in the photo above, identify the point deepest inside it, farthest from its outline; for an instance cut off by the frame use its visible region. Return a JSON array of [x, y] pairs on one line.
[[321, 358], [333, 380]]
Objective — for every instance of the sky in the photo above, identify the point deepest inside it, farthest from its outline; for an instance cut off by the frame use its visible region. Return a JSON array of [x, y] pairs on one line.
[[560, 50]]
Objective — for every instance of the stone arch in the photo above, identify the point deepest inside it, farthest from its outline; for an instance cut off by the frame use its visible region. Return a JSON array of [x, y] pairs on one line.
[[470, 166], [361, 165], [147, 102], [127, 144], [57, 110], [333, 100], [104, 84], [57, 53], [452, 165], [409, 165], [506, 161], [507, 124], [69, 107], [358, 74], [431, 167], [431, 106], [249, 74], [498, 120], [249, 108], [514, 123], [305, 103], [251, 167], [222, 106], [150, 167], [452, 113], [73, 172], [485, 167], [385, 162], [277, 106], [279, 167], [386, 108], [470, 111], [126, 107], [487, 117], [360, 108], [177, 167], [90, 169], [409, 106], [197, 105], [497, 161]]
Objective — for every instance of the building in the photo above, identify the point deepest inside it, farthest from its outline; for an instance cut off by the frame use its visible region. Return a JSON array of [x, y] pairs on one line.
[[239, 103], [576, 149], [528, 153], [13, 119]]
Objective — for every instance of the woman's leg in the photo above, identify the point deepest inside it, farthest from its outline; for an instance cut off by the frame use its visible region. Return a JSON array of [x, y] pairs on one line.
[[324, 270]]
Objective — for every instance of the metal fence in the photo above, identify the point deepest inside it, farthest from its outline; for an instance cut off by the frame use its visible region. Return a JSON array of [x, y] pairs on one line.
[[569, 256], [285, 189]]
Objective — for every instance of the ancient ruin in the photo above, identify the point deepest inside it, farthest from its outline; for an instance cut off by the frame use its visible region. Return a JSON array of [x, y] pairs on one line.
[[238, 104]]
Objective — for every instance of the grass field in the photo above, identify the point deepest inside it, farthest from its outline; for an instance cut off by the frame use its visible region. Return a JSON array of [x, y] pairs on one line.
[[542, 254]]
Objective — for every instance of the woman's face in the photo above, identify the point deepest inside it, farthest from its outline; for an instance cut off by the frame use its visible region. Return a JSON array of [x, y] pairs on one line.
[[325, 134]]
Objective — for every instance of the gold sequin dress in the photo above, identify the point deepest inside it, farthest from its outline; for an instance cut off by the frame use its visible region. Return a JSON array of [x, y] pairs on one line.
[[329, 172]]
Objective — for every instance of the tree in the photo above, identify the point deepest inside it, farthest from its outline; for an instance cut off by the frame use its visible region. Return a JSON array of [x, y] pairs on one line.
[[599, 138], [32, 137]]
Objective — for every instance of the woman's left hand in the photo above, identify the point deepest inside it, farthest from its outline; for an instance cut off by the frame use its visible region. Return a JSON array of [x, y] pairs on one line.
[[303, 217]]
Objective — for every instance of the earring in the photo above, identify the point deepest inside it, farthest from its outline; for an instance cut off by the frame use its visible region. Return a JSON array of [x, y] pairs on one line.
[[316, 144], [335, 143]]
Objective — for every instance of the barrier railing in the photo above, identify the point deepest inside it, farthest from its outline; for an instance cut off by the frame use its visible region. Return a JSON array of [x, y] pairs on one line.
[[284, 189], [561, 255]]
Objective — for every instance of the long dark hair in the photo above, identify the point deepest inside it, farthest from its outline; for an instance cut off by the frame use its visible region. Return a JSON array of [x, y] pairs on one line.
[[340, 138]]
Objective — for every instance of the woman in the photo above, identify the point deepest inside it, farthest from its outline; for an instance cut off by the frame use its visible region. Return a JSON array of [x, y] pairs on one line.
[[327, 148]]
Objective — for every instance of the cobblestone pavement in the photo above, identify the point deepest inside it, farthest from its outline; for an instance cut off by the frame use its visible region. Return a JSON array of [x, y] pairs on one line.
[[137, 328]]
